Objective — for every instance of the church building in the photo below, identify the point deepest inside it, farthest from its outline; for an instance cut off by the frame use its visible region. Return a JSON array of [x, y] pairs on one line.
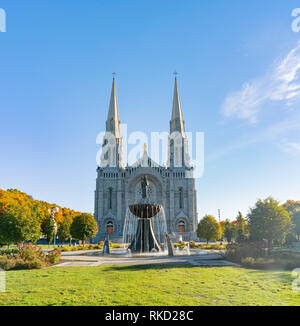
[[172, 186]]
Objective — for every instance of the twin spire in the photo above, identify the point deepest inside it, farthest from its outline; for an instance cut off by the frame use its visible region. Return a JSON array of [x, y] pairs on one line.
[[113, 122], [177, 122]]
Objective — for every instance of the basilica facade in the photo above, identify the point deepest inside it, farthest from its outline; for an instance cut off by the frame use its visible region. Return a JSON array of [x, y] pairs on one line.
[[172, 186]]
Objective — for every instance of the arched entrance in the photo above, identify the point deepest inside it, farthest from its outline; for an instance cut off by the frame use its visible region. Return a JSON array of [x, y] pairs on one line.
[[110, 227], [181, 226]]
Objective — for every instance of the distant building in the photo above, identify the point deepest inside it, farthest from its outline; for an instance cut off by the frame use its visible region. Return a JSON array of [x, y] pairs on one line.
[[173, 186]]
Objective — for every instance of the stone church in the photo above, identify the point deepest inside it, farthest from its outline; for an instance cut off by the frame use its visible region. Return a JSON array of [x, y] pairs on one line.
[[172, 186]]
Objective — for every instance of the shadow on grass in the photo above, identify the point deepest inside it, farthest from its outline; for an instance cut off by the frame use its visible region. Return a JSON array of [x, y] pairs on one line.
[[285, 275], [157, 267]]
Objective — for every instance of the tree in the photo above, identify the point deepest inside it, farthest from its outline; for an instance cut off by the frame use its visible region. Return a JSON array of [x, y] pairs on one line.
[[241, 228], [240, 224], [228, 231], [296, 222], [208, 228], [293, 207], [222, 229], [84, 227], [64, 230], [22, 218], [48, 229], [268, 220], [18, 223]]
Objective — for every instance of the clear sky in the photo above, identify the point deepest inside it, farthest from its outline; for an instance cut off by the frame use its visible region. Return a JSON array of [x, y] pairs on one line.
[[238, 64]]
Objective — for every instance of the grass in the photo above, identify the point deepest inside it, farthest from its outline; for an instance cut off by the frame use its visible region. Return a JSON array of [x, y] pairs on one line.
[[148, 285]]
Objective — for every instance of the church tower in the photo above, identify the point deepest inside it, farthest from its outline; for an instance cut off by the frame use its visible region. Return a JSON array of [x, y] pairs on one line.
[[178, 144], [112, 153], [118, 187]]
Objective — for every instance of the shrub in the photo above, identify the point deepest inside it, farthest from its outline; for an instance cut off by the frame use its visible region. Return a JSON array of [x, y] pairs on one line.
[[28, 257], [276, 261], [33, 263], [30, 252], [290, 239], [98, 246], [116, 246], [179, 245], [259, 263], [270, 263], [193, 244], [54, 257], [8, 252], [238, 252], [7, 263], [212, 246], [241, 238]]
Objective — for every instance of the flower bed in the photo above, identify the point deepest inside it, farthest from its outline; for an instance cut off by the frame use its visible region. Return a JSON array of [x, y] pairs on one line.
[[98, 246], [195, 245], [29, 257], [287, 262], [255, 255]]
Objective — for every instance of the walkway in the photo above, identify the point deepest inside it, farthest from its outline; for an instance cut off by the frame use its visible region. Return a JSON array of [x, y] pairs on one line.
[[117, 257]]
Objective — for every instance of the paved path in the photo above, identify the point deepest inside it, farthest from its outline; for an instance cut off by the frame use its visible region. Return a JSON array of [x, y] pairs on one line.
[[117, 257]]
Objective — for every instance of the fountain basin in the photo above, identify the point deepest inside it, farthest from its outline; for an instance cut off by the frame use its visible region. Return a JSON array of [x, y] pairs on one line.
[[145, 240], [145, 211]]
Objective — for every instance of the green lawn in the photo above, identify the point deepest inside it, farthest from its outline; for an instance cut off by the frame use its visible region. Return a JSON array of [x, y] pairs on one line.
[[148, 285]]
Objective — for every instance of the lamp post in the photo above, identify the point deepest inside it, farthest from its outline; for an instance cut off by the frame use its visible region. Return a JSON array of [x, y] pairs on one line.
[[52, 212]]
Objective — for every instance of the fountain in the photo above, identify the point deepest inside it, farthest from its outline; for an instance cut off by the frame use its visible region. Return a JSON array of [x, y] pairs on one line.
[[145, 224]]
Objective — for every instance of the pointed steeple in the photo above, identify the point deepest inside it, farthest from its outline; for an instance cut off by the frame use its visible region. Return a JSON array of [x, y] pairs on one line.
[[113, 142], [177, 122], [178, 142], [113, 122]]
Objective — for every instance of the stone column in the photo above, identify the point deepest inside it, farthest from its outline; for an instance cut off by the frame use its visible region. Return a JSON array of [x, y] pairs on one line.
[[195, 212], [172, 211], [125, 203], [190, 203], [164, 203], [119, 205], [100, 205], [96, 206]]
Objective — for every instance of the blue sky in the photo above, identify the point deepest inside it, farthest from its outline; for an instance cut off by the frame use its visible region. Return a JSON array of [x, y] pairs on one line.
[[238, 64]]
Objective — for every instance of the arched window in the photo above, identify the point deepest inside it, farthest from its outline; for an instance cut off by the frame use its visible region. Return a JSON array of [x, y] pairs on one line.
[[110, 198], [110, 227], [181, 227], [180, 198], [172, 152]]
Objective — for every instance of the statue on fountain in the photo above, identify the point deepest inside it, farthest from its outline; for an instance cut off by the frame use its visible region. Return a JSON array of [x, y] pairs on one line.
[[145, 187]]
